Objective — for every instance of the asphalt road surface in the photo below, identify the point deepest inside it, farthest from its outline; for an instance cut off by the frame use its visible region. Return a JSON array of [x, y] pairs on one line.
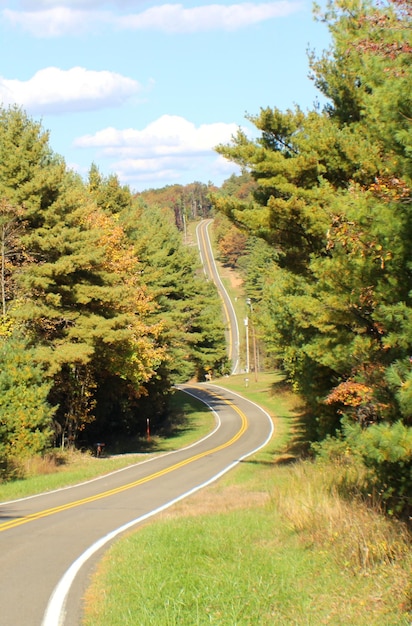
[[232, 328], [50, 544]]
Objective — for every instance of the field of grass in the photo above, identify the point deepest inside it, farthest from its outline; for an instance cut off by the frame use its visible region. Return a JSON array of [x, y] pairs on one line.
[[273, 543]]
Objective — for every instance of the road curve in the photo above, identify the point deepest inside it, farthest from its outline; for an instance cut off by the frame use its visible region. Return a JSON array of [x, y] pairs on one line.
[[209, 265], [49, 544]]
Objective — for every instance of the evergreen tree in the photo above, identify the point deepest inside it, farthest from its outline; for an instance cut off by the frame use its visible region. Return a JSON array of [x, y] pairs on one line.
[[10, 252], [85, 306], [25, 414], [333, 200], [77, 293], [30, 173], [108, 193]]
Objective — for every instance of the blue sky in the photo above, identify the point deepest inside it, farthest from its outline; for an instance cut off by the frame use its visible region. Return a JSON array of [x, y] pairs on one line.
[[146, 90]]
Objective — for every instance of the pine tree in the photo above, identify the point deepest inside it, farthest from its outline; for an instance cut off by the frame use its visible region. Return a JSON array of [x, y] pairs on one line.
[[76, 291], [332, 199], [25, 414]]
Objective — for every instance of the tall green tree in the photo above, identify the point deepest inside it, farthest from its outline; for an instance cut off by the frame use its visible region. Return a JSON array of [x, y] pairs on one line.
[[333, 199], [26, 417], [107, 192], [76, 293], [10, 251], [85, 306]]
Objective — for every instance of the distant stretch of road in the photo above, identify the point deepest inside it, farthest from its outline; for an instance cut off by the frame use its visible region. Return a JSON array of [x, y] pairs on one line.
[[49, 544], [208, 261]]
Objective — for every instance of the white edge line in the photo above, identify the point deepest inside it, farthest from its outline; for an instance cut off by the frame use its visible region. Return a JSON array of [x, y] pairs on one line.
[[55, 611]]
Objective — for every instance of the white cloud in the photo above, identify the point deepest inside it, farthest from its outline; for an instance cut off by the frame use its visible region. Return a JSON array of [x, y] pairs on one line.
[[166, 149], [224, 168], [168, 135], [172, 18], [55, 22], [53, 90], [144, 173], [132, 171], [37, 5]]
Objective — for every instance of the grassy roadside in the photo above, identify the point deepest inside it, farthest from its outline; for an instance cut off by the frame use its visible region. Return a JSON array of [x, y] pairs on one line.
[[64, 468], [273, 543]]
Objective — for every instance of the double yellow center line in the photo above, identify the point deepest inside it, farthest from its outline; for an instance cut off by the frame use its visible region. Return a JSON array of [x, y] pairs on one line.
[[111, 492]]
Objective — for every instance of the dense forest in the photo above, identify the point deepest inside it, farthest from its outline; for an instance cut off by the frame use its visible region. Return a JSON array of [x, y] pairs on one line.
[[328, 226], [104, 307]]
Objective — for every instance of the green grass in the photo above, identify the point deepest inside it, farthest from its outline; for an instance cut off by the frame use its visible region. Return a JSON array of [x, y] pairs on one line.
[[238, 568], [269, 392], [226, 575], [272, 543], [192, 421], [64, 468]]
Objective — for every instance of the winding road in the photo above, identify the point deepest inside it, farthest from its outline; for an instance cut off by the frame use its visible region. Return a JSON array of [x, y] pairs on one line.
[[50, 543], [209, 265]]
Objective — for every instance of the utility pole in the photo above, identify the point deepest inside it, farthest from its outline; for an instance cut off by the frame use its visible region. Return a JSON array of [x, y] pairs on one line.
[[255, 365], [247, 343]]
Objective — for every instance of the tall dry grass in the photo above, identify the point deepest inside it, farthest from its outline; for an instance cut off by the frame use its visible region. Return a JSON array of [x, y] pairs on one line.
[[311, 503]]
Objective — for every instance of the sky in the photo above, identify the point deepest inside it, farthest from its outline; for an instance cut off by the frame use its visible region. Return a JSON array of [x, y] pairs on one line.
[[146, 90]]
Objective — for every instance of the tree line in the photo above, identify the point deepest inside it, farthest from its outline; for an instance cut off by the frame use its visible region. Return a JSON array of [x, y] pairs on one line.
[[103, 308], [328, 224]]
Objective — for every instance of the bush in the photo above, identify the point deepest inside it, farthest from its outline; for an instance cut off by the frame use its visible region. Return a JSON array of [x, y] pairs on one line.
[[387, 450]]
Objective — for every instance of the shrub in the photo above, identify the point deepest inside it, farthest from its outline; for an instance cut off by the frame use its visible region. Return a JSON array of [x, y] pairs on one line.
[[387, 450]]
